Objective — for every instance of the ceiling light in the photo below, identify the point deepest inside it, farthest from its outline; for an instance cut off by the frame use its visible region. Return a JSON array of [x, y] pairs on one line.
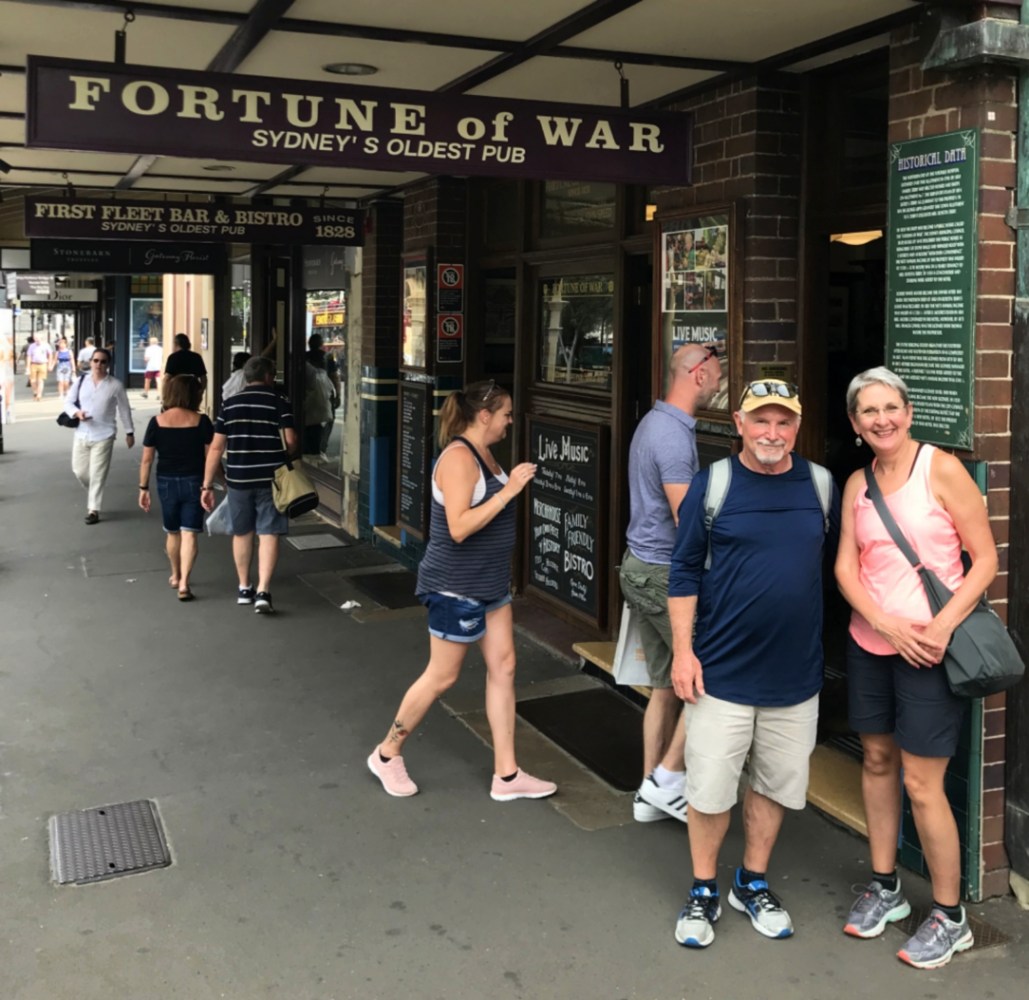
[[857, 239], [217, 168], [351, 69]]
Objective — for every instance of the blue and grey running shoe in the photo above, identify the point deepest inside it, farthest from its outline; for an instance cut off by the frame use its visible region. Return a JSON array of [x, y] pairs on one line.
[[695, 926], [874, 909], [937, 941], [762, 906]]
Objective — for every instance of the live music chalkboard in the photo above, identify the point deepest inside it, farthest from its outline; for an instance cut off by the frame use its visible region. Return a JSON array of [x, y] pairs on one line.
[[414, 457], [565, 537]]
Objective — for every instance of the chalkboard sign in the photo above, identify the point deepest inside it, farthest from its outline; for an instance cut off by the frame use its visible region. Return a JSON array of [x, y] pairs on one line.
[[414, 457], [566, 525]]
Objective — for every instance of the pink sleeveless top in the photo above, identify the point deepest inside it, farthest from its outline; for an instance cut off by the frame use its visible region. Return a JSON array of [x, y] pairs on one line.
[[891, 581]]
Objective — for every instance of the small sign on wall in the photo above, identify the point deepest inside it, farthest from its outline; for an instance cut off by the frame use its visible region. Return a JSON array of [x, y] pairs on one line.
[[449, 313], [449, 337]]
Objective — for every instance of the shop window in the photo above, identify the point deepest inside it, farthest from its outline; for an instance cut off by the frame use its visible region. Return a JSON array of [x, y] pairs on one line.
[[498, 325], [577, 208], [146, 312], [577, 330], [239, 319]]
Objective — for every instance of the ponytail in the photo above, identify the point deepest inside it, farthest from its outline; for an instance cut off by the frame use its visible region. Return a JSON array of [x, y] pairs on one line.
[[462, 405]]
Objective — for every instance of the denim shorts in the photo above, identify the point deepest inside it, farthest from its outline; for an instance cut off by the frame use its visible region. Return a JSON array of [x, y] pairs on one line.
[[885, 694], [254, 510], [459, 619], [180, 503]]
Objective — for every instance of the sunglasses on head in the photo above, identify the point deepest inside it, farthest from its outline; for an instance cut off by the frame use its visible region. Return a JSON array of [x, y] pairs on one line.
[[712, 352], [769, 390], [490, 389]]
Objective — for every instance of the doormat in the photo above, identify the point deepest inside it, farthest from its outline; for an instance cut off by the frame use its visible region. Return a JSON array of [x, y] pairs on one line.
[[90, 845], [390, 590], [318, 541], [598, 728]]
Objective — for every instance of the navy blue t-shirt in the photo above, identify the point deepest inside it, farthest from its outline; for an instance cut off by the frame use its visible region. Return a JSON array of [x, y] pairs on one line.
[[759, 607]]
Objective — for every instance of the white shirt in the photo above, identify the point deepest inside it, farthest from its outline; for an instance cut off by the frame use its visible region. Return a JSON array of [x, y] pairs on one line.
[[152, 357], [100, 401]]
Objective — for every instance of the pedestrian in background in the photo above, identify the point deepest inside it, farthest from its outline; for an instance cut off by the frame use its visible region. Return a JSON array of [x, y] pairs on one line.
[[65, 365], [662, 463], [98, 402], [898, 697], [179, 436], [464, 579], [250, 430], [40, 357], [153, 358]]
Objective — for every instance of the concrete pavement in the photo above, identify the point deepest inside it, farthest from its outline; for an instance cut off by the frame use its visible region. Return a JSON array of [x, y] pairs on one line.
[[294, 876]]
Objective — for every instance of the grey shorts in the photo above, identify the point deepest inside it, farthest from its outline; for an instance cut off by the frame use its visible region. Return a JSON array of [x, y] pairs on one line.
[[254, 510], [720, 734], [645, 588]]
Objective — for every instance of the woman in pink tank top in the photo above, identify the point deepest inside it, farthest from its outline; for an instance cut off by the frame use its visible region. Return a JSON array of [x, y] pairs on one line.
[[899, 700]]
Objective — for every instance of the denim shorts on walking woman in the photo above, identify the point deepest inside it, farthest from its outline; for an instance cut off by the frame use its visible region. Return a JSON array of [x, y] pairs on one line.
[[180, 503], [459, 619]]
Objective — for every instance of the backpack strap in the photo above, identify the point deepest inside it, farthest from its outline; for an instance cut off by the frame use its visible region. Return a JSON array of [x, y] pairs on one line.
[[719, 478], [821, 479]]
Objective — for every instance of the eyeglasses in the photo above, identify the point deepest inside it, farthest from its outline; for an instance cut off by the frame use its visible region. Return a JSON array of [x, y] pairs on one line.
[[712, 352], [100, 361], [785, 390]]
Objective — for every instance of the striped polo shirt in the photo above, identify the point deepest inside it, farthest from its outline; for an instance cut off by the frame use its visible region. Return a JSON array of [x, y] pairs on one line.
[[251, 421]]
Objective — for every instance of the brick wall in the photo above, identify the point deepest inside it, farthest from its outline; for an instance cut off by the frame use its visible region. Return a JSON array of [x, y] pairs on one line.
[[926, 103], [747, 146], [380, 287]]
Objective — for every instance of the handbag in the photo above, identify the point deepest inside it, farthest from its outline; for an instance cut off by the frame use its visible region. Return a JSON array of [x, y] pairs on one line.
[[293, 493], [630, 664], [981, 658], [62, 418]]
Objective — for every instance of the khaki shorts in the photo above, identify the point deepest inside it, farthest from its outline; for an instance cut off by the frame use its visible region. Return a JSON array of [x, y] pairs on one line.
[[38, 372], [720, 734], [645, 589]]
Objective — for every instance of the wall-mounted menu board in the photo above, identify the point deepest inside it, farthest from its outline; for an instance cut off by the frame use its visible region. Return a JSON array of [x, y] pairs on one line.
[[414, 457], [567, 514]]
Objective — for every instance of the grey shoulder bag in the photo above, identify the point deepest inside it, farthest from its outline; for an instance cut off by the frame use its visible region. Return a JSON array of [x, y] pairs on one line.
[[981, 658]]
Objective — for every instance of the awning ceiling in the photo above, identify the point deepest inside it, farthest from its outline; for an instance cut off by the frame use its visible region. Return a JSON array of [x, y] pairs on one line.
[[552, 50]]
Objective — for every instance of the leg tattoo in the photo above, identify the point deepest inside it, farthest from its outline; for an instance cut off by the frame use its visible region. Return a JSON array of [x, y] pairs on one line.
[[397, 732]]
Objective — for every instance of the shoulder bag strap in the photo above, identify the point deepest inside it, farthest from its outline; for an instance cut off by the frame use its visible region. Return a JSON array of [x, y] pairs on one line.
[[876, 496], [719, 478], [78, 391]]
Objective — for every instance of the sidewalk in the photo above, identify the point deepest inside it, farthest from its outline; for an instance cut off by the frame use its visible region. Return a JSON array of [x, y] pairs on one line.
[[294, 877]]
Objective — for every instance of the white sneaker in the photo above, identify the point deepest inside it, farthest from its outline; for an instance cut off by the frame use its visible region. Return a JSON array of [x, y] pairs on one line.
[[652, 802]]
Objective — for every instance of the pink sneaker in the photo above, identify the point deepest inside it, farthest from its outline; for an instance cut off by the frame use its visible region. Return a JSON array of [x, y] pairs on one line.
[[521, 786], [393, 775]]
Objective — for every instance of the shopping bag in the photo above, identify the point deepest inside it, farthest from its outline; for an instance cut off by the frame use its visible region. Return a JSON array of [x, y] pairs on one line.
[[219, 521], [630, 666]]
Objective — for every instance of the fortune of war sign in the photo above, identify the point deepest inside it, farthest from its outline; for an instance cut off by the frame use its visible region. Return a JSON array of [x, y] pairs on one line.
[[143, 109], [76, 217]]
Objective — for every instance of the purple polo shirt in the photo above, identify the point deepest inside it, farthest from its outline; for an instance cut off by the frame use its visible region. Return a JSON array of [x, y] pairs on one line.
[[663, 450]]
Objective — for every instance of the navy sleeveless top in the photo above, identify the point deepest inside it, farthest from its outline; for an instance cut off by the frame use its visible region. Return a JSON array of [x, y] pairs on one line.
[[480, 566]]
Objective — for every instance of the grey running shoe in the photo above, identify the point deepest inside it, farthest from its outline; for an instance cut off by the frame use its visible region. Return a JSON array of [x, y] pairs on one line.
[[937, 941], [695, 926], [766, 913], [874, 909]]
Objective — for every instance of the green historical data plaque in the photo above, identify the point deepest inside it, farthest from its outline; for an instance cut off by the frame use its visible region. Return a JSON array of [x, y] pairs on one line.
[[931, 280]]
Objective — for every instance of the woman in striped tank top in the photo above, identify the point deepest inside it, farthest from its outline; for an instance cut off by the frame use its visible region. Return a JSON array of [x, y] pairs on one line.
[[464, 579]]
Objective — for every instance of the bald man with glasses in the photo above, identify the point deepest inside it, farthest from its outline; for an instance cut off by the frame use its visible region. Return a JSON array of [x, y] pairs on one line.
[[662, 463], [97, 400]]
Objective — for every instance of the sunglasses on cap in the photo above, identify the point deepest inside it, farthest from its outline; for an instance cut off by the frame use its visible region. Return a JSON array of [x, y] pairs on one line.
[[769, 390], [712, 352]]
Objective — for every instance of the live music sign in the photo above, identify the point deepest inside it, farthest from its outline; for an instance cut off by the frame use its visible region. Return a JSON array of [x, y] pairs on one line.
[[149, 110]]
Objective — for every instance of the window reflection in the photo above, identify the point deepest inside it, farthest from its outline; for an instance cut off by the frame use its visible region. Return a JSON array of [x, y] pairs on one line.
[[577, 331]]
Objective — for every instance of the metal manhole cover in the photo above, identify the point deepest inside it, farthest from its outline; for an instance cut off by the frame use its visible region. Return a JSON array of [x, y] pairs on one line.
[[320, 541], [90, 845], [986, 935]]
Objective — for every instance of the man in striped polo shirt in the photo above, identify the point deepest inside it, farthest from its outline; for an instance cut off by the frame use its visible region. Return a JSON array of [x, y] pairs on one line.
[[249, 432]]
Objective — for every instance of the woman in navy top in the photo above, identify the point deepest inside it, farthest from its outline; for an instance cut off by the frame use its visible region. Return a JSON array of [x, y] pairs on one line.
[[464, 579], [179, 436]]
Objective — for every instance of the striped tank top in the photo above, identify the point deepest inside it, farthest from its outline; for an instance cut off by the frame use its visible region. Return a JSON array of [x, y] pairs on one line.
[[480, 566]]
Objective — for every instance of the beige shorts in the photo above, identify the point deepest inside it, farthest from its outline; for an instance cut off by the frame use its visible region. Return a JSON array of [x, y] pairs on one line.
[[720, 734]]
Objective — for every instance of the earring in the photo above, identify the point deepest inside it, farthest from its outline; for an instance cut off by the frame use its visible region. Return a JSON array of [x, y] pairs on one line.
[[859, 441]]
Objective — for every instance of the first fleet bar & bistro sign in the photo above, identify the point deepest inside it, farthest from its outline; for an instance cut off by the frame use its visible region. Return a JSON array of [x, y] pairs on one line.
[[143, 109]]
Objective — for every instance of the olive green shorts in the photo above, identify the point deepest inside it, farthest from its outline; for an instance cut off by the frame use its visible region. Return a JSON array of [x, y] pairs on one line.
[[645, 588]]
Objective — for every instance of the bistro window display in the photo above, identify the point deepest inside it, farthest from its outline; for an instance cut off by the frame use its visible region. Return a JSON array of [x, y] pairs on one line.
[[577, 330], [695, 260]]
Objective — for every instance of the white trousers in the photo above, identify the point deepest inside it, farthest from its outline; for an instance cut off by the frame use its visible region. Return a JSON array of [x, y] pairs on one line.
[[91, 461]]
